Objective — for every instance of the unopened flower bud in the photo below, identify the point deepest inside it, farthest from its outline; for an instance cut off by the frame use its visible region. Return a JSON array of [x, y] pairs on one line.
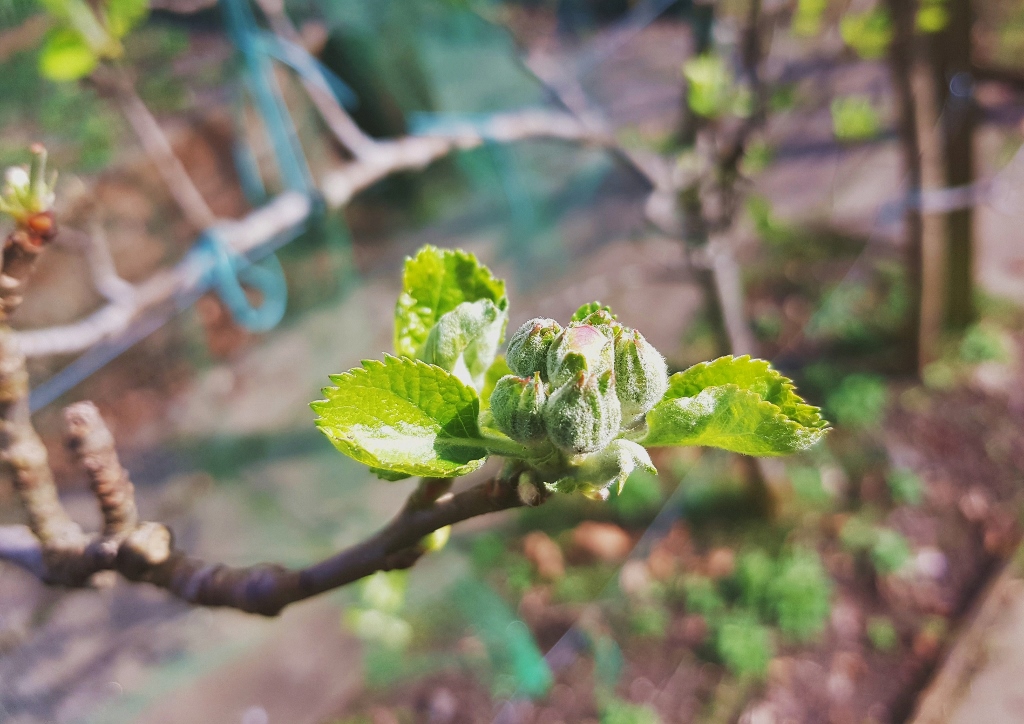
[[603, 319], [641, 376], [583, 415], [27, 192], [528, 347], [17, 179], [579, 348], [516, 404], [605, 469]]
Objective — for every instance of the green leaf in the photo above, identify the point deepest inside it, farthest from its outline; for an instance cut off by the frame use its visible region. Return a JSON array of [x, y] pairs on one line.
[[388, 475], [498, 369], [710, 85], [589, 308], [123, 15], [807, 18], [734, 403], [868, 33], [66, 56], [403, 416], [755, 375], [890, 551], [854, 118], [799, 595], [435, 282], [57, 8], [465, 340], [932, 18], [744, 645]]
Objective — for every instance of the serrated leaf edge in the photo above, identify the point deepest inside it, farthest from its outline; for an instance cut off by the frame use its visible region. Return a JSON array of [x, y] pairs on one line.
[[365, 366], [804, 434], [407, 302], [788, 387]]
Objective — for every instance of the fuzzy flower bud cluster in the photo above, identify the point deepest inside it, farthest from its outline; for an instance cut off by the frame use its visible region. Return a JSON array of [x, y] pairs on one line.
[[580, 386]]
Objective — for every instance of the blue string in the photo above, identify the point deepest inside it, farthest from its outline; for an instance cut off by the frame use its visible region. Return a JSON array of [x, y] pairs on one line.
[[248, 169], [228, 270], [101, 354], [308, 67], [259, 78]]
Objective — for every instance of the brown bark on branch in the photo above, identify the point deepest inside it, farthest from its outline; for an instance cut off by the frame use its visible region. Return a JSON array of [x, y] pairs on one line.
[[93, 445], [147, 554], [25, 456]]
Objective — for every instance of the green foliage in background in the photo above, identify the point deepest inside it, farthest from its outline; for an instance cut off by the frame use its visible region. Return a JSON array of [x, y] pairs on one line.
[[515, 659], [868, 33], [711, 90], [640, 498], [932, 16], [854, 118], [376, 617], [886, 549], [904, 486], [793, 591], [808, 487], [859, 401], [85, 34], [807, 19], [890, 551], [983, 343], [882, 634], [618, 711], [744, 645], [798, 595]]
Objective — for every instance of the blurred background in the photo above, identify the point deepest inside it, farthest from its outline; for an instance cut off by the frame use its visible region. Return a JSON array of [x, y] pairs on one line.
[[833, 185]]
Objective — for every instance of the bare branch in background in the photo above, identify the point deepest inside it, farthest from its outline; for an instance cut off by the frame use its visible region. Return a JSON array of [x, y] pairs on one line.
[[260, 226], [729, 289], [290, 209], [334, 116], [158, 148], [104, 273]]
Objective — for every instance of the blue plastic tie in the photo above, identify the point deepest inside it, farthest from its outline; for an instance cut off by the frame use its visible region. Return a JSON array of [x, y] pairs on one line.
[[308, 67], [229, 270], [266, 94]]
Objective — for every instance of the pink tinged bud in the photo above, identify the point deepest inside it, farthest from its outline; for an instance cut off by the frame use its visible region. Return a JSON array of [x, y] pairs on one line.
[[583, 415], [528, 347], [579, 348], [603, 319], [641, 376], [517, 405]]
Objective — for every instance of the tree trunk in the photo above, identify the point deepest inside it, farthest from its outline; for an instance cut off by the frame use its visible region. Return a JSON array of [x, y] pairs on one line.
[[952, 59], [901, 61], [933, 229]]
